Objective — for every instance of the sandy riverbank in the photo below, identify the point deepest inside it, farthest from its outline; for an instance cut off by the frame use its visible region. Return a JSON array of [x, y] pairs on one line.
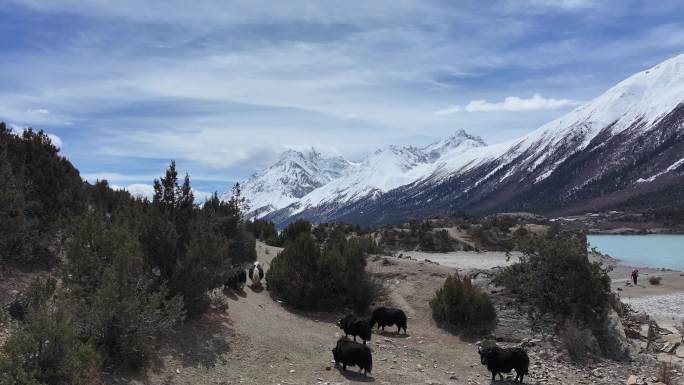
[[466, 259], [664, 302]]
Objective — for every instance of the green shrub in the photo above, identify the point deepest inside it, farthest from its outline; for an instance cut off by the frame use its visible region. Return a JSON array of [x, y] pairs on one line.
[[555, 276], [294, 230], [307, 277], [265, 231], [121, 306], [46, 349], [461, 307]]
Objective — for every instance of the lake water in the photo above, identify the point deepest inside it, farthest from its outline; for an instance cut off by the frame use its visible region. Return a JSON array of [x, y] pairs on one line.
[[642, 250]]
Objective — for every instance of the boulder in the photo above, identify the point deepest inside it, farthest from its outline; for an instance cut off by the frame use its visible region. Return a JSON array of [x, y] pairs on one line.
[[615, 342], [669, 347], [633, 380], [673, 338], [680, 352]]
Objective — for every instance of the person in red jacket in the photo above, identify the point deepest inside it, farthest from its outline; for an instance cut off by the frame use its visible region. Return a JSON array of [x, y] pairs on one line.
[[635, 276]]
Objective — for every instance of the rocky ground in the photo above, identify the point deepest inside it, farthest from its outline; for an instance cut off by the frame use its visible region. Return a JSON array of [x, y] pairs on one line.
[[256, 340], [248, 338]]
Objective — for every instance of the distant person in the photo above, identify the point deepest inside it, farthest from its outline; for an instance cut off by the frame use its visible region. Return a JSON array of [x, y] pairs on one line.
[[635, 276]]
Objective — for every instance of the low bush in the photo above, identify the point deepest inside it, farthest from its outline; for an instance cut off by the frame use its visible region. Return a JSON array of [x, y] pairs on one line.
[[555, 275], [308, 276], [461, 307], [122, 308], [654, 280], [48, 352], [46, 349]]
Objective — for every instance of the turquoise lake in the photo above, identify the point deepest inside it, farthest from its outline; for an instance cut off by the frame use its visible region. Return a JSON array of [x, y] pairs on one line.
[[655, 250]]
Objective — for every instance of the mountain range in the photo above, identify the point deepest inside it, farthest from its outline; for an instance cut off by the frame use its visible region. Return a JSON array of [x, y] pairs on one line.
[[623, 147]]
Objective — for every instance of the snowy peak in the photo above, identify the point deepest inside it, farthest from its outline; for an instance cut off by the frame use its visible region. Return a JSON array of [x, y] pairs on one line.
[[644, 97], [309, 178], [292, 176], [627, 141], [459, 142]]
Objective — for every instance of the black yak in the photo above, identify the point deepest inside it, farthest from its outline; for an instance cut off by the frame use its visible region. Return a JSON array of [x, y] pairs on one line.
[[353, 353], [385, 316], [256, 274], [504, 360], [235, 279], [356, 326]]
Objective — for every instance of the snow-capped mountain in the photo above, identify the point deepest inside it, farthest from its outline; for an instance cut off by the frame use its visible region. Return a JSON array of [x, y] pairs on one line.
[[300, 181], [624, 146], [291, 177]]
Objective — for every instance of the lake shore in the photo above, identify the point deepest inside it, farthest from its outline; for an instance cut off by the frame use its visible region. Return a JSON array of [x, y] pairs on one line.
[[664, 302], [466, 260]]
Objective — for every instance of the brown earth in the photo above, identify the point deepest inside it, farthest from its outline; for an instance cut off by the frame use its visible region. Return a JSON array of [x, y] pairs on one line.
[[248, 338], [257, 340]]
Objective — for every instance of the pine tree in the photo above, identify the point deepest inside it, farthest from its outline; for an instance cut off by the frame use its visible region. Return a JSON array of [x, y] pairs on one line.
[[166, 190], [187, 198], [13, 231]]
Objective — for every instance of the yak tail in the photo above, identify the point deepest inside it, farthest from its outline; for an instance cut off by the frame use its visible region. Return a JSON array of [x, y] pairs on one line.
[[370, 365]]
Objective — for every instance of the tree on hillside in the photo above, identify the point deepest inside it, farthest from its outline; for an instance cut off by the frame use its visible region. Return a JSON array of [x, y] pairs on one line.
[[42, 193], [13, 242], [309, 276], [121, 306]]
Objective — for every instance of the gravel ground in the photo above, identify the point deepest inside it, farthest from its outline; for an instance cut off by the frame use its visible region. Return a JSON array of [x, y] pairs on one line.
[[466, 259]]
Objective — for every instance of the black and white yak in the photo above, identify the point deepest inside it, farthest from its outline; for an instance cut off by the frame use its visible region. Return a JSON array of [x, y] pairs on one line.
[[256, 274]]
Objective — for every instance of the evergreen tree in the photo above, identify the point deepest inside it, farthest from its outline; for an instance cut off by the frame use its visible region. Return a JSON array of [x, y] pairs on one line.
[[13, 238]]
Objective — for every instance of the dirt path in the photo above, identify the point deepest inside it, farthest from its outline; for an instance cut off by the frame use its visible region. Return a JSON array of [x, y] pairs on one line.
[[259, 341]]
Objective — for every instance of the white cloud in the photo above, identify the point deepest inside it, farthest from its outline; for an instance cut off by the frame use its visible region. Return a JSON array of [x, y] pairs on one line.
[[39, 111], [137, 189], [511, 103], [147, 191], [56, 140], [449, 110]]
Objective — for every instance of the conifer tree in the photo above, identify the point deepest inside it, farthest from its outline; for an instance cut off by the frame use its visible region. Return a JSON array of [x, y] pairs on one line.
[[13, 242]]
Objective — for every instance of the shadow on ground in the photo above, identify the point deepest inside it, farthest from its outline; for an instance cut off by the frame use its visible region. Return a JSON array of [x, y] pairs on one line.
[[393, 334], [202, 342], [353, 375], [232, 294]]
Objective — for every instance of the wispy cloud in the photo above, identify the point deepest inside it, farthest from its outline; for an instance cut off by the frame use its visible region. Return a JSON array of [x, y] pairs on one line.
[[147, 191], [224, 86], [510, 103], [38, 111]]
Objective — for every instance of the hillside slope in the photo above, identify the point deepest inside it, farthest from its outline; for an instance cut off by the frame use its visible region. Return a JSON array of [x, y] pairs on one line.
[[623, 146]]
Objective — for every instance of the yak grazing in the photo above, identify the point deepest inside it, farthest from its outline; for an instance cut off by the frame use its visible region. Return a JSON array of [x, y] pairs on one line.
[[500, 360], [385, 316], [356, 326], [353, 353]]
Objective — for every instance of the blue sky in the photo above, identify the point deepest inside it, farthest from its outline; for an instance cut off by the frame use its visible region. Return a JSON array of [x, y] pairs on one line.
[[223, 87]]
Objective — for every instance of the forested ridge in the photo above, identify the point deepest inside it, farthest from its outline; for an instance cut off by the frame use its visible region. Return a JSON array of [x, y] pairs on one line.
[[115, 272]]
